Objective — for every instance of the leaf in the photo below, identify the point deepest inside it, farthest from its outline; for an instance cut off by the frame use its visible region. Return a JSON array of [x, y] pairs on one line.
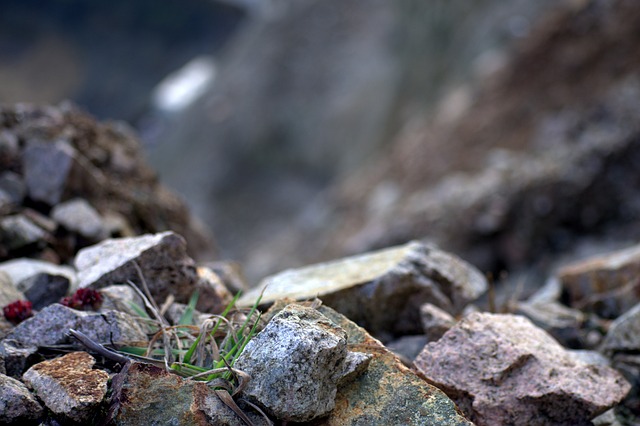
[[187, 315], [229, 402]]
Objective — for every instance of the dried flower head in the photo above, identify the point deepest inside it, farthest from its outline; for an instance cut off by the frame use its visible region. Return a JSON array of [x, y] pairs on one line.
[[18, 311], [83, 299]]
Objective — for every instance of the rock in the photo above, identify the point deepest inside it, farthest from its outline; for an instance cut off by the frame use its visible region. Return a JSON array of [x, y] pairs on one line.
[[51, 327], [435, 321], [17, 356], [17, 405], [119, 298], [382, 291], [8, 292], [607, 285], [214, 295], [295, 364], [18, 231], [79, 216], [44, 289], [69, 387], [565, 324], [624, 333], [46, 167], [608, 418], [21, 269], [501, 369], [176, 310], [386, 393], [407, 348], [162, 258], [144, 394], [231, 275], [12, 185]]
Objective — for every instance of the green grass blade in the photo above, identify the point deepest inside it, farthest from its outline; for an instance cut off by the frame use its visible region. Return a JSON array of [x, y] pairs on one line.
[[139, 310], [187, 315]]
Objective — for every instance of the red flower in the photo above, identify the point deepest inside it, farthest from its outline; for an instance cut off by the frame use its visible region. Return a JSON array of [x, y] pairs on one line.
[[17, 311], [83, 298]]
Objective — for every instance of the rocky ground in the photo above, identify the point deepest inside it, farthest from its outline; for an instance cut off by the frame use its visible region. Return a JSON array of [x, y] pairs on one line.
[[100, 325]]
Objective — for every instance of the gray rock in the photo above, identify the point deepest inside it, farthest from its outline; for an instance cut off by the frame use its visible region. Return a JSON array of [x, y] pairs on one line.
[[563, 323], [608, 418], [213, 293], [13, 186], [162, 258], [69, 387], [407, 348], [624, 333], [46, 167], [51, 327], [18, 231], [296, 363], [17, 405], [8, 292], [79, 216], [435, 321], [501, 369], [44, 289], [119, 298], [147, 395], [382, 291], [21, 269], [17, 357]]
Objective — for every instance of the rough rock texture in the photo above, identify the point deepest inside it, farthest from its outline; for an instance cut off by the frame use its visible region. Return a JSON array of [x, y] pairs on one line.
[[17, 405], [501, 369], [386, 393], [51, 327], [608, 285], [54, 154], [69, 386], [162, 259], [145, 394], [435, 322], [16, 357], [44, 289], [624, 333], [296, 363], [382, 291], [565, 324]]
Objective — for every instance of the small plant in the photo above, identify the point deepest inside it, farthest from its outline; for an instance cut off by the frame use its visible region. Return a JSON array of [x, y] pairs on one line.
[[83, 299], [18, 311]]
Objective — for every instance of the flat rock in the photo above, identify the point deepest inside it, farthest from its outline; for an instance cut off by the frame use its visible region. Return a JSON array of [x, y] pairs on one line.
[[79, 216], [387, 392], [21, 269], [46, 167], [69, 386], [147, 395], [383, 290], [162, 258], [51, 326], [501, 369], [607, 285], [624, 333], [295, 364], [17, 404], [44, 289]]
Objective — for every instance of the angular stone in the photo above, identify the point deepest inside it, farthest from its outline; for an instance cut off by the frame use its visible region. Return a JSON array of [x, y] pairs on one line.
[[296, 363], [69, 387], [162, 258], [607, 285], [501, 369], [17, 357], [382, 291], [386, 393], [79, 216], [435, 321], [13, 186], [18, 231], [214, 295], [17, 405], [51, 327], [147, 395], [624, 333], [119, 298], [44, 289], [21, 269], [46, 166], [8, 292], [565, 324], [407, 348]]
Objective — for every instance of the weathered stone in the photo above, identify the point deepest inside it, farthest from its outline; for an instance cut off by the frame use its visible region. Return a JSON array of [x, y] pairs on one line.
[[607, 285], [13, 186], [407, 348], [119, 298], [296, 363], [69, 387], [176, 310], [386, 393], [501, 369], [214, 295], [624, 333], [21, 269], [145, 394], [46, 167], [17, 405], [383, 290], [8, 292], [563, 323], [17, 356], [231, 275], [18, 231], [162, 258], [79, 216], [44, 289], [435, 321], [51, 327]]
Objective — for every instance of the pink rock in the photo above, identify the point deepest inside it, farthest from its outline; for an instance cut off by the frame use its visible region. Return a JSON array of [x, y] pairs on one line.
[[503, 370]]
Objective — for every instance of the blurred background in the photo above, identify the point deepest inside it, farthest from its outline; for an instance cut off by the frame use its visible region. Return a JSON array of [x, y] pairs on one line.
[[301, 130]]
